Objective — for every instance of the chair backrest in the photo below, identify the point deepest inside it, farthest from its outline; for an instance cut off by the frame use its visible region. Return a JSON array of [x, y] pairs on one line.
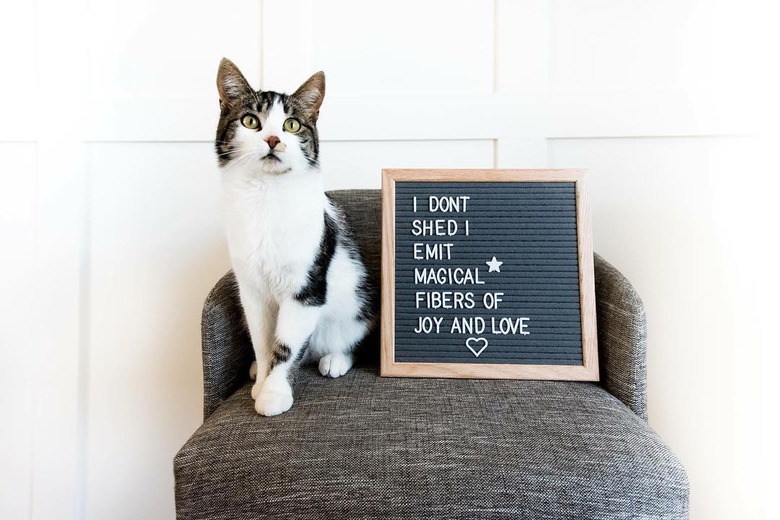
[[364, 211]]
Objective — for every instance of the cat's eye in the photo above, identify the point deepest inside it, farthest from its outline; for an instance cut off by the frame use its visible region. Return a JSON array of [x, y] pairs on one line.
[[250, 122], [292, 125]]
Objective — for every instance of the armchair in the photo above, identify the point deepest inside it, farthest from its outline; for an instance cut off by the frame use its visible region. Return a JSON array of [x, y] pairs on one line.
[[362, 446]]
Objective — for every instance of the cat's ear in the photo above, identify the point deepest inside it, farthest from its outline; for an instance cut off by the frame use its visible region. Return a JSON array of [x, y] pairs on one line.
[[231, 84], [311, 94]]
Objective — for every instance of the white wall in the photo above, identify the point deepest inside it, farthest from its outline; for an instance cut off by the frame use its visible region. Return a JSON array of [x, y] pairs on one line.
[[111, 231]]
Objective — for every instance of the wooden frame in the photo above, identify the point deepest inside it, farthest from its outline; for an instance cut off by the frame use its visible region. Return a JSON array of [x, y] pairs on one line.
[[588, 371]]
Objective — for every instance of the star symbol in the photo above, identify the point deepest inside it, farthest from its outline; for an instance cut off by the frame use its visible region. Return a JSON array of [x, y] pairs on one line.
[[494, 265]]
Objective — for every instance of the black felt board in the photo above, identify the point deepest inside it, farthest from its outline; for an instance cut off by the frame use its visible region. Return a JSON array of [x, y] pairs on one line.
[[531, 227]]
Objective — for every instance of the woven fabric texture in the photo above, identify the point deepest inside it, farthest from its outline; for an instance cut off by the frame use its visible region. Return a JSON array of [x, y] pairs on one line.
[[368, 447], [227, 351], [622, 337]]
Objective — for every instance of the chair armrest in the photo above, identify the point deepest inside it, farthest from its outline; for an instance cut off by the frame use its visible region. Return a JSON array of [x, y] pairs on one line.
[[622, 333], [227, 349]]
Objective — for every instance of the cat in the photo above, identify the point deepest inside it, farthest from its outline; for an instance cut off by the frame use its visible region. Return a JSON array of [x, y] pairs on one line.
[[301, 278]]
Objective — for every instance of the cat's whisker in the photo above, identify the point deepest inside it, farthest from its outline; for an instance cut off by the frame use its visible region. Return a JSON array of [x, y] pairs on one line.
[[241, 155], [226, 153], [243, 159], [240, 160]]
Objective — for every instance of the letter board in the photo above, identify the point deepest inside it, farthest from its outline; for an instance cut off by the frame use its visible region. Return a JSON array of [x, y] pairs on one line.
[[487, 274]]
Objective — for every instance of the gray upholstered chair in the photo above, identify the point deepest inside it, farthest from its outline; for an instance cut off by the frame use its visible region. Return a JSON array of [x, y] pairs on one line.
[[362, 446]]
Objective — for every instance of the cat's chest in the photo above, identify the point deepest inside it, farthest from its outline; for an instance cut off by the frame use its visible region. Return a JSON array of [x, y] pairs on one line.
[[273, 235]]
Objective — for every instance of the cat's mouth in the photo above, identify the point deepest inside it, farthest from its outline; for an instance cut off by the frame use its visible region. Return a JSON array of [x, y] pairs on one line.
[[271, 163], [271, 157]]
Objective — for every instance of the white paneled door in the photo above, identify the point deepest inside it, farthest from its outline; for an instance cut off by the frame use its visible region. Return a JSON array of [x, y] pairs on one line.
[[110, 201]]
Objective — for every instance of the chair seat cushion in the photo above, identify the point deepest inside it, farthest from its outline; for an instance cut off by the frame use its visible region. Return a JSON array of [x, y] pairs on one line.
[[362, 446]]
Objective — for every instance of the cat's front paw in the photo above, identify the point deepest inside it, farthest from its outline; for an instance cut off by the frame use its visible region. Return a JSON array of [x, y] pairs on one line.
[[335, 365], [270, 402], [253, 371]]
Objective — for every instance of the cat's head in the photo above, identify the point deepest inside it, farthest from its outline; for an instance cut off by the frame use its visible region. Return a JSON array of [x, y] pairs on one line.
[[267, 132]]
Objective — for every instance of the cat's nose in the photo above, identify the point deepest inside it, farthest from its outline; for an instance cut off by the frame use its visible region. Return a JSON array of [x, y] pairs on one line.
[[272, 141]]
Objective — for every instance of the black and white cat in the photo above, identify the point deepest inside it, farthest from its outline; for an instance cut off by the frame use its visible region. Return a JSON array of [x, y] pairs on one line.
[[302, 282]]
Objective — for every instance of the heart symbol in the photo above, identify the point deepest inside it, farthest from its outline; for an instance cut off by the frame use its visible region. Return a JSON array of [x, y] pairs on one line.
[[476, 342]]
